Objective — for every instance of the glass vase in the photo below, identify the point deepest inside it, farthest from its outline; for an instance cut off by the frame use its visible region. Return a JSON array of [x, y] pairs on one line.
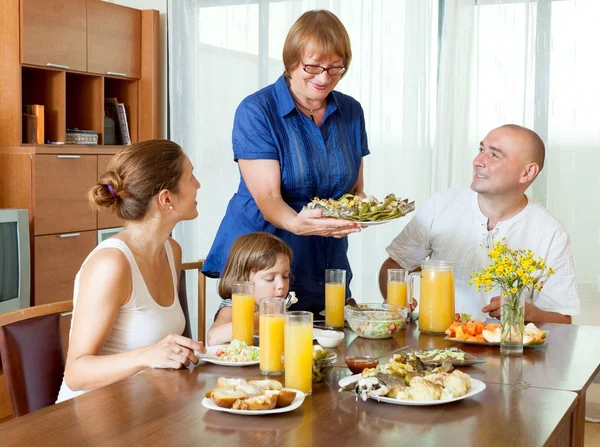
[[512, 321]]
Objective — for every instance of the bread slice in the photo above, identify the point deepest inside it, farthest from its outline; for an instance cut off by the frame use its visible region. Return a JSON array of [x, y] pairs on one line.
[[225, 397], [249, 390], [230, 382], [262, 402], [268, 384]]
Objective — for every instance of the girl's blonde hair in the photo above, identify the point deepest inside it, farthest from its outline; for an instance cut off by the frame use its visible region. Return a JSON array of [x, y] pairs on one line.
[[251, 253], [324, 30]]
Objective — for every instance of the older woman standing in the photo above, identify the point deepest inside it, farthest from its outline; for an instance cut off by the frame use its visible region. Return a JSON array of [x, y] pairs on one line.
[[295, 140]]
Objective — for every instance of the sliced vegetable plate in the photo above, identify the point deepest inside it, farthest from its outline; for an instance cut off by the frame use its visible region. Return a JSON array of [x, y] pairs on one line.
[[211, 356], [435, 356], [495, 343]]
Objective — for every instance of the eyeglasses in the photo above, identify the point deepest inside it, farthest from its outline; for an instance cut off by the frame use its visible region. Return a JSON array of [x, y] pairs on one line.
[[317, 69]]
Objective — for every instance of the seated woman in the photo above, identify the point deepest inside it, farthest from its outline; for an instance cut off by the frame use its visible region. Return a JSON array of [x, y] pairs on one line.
[[127, 314], [260, 258]]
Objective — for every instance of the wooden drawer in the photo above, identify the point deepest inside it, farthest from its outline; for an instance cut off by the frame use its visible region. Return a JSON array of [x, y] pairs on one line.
[[54, 32], [61, 184], [106, 218], [114, 39], [58, 258]]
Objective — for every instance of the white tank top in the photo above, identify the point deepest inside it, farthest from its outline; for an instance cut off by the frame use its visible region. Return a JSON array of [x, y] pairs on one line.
[[141, 321]]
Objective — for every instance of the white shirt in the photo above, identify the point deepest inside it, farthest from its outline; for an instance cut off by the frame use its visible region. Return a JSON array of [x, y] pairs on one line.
[[141, 321], [451, 227]]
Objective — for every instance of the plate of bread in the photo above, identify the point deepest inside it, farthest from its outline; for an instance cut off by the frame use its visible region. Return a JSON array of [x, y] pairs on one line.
[[252, 397]]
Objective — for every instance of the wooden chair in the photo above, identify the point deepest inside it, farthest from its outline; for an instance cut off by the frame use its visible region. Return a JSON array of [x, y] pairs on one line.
[[201, 298], [32, 355]]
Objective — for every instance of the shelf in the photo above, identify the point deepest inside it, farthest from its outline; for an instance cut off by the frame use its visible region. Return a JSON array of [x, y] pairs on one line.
[[84, 109], [75, 149], [47, 88], [126, 91]]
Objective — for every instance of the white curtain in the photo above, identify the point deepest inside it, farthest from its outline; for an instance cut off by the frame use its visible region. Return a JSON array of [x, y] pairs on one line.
[[529, 62], [222, 51]]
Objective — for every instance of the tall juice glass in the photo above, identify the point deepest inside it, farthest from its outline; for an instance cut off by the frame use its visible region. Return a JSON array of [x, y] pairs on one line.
[[436, 301], [298, 334], [242, 308], [396, 287], [271, 335], [335, 298]]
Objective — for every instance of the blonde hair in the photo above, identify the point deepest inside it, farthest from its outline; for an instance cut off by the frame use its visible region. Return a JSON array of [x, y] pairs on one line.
[[251, 253], [321, 28], [135, 175]]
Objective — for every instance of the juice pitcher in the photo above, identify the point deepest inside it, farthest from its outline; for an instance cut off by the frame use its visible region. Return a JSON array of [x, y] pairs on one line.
[[436, 302]]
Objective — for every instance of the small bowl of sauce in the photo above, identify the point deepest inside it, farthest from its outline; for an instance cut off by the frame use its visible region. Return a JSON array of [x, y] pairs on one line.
[[359, 363]]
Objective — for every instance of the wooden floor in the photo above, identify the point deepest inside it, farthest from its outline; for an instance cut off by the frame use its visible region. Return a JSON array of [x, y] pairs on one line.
[[592, 434]]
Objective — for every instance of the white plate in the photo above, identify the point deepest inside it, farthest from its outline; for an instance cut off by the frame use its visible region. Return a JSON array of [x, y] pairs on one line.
[[211, 358], [372, 223], [477, 387], [209, 403]]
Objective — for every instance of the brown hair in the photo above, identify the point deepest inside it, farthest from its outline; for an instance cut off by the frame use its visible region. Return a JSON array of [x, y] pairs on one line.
[[251, 253], [135, 175], [321, 28]]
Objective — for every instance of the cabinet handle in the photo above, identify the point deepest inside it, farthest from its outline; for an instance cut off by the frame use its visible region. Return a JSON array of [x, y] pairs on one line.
[[115, 73], [68, 156], [63, 236], [49, 64]]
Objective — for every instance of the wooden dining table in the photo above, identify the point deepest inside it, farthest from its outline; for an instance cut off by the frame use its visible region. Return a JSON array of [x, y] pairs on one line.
[[532, 400]]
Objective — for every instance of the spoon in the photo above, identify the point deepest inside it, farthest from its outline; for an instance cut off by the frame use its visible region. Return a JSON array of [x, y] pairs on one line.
[[352, 302]]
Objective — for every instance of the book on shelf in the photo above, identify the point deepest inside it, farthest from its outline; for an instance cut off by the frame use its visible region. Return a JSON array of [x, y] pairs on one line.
[[29, 128], [112, 111], [123, 123], [36, 110]]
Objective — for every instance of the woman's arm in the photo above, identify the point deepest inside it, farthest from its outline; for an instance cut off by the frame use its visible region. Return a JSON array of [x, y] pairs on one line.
[[221, 332], [105, 285], [262, 178]]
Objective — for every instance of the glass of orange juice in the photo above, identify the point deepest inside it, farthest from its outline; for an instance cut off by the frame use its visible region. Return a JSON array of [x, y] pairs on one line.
[[436, 296], [335, 298], [242, 308], [271, 335], [396, 287], [298, 336]]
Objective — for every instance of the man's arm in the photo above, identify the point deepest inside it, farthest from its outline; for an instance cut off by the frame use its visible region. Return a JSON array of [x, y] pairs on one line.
[[532, 313]]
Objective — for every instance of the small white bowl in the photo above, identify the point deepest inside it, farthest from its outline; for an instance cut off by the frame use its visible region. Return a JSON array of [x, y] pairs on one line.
[[329, 339]]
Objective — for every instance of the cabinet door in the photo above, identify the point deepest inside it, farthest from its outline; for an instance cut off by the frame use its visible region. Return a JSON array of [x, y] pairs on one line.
[[61, 184], [58, 258], [106, 218], [114, 39], [54, 33]]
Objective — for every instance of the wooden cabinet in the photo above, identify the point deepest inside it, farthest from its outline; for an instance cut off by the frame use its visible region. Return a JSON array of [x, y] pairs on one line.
[[61, 184], [106, 218], [58, 258], [114, 39], [53, 33]]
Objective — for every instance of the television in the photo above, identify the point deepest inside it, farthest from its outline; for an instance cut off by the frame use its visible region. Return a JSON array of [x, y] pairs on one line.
[[14, 260]]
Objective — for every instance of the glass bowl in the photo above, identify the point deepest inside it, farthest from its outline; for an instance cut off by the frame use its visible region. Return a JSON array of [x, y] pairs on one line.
[[376, 320], [322, 367]]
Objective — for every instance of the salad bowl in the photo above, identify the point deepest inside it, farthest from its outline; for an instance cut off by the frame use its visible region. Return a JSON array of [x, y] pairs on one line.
[[376, 320]]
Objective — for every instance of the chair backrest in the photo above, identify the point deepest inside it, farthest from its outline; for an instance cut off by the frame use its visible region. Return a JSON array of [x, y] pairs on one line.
[[32, 357], [201, 298]]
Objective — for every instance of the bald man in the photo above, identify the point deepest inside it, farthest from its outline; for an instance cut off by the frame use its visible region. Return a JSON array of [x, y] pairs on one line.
[[461, 226]]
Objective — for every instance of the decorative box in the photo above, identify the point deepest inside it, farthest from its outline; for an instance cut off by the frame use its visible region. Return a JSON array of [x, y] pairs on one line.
[[76, 136]]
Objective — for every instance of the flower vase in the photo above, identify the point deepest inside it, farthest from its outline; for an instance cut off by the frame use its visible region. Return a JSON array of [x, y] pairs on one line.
[[512, 320]]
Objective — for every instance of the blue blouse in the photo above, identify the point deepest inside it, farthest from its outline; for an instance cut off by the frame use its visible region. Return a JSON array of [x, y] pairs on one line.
[[315, 162]]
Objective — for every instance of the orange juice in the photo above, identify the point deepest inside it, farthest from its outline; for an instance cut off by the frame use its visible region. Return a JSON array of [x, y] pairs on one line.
[[242, 319], [396, 293], [335, 299], [436, 300], [298, 355], [271, 343]]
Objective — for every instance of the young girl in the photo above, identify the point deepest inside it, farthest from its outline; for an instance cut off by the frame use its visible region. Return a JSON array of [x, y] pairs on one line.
[[260, 258]]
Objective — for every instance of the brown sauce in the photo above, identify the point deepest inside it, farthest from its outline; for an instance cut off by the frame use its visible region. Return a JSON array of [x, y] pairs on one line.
[[357, 364]]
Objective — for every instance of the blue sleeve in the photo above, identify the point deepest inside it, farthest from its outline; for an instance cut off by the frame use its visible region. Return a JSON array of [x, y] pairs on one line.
[[252, 135]]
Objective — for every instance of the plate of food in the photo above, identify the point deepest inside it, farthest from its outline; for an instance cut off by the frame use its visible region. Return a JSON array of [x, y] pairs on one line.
[[406, 381], [252, 397], [481, 333], [367, 211], [234, 354], [436, 356]]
